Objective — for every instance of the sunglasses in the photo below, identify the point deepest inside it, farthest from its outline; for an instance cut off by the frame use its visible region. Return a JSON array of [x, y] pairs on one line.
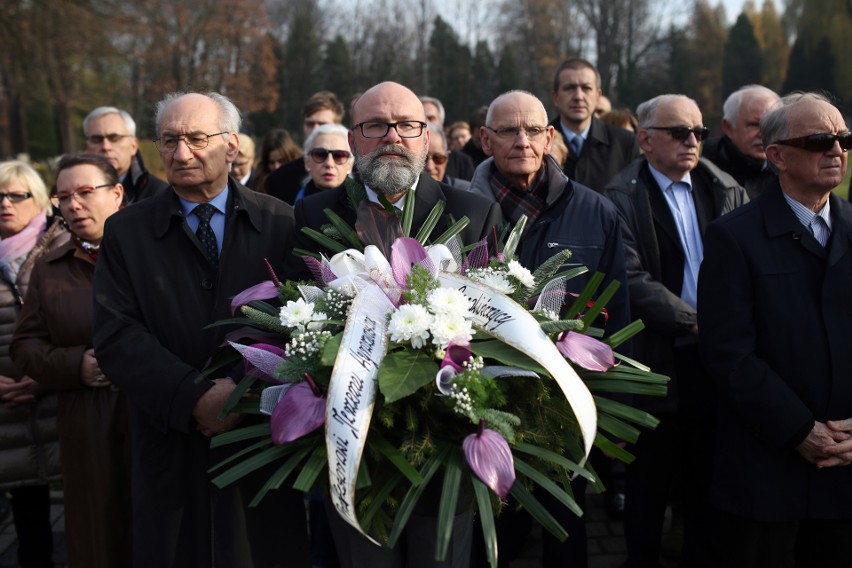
[[820, 142], [320, 155], [438, 159], [681, 133]]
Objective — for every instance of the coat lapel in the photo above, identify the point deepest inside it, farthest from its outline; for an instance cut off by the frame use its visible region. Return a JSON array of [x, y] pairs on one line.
[[780, 220]]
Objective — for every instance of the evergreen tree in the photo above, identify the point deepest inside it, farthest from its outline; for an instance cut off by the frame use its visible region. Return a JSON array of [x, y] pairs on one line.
[[483, 67], [810, 69], [775, 47], [706, 49], [742, 63], [507, 72], [337, 70], [449, 70], [300, 69]]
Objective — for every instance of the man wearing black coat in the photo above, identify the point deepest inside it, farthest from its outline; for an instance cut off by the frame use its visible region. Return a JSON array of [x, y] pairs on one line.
[[739, 151], [390, 141], [775, 311], [596, 151], [167, 269]]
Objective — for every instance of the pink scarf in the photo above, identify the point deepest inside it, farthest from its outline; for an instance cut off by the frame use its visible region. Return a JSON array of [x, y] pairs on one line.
[[22, 243]]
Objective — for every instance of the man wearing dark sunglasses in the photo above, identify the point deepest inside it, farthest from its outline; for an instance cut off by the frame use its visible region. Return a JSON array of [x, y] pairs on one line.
[[111, 133], [775, 300], [739, 151], [666, 199]]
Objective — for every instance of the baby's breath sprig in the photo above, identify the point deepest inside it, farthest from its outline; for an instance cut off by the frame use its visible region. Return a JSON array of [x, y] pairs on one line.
[[420, 282]]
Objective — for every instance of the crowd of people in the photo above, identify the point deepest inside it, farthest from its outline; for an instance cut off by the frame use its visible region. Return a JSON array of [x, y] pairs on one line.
[[109, 283]]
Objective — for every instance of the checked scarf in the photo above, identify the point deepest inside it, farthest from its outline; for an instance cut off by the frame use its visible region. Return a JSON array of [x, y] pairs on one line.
[[515, 202]]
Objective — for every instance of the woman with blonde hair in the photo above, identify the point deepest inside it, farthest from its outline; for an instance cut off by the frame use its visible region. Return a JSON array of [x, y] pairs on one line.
[[29, 452]]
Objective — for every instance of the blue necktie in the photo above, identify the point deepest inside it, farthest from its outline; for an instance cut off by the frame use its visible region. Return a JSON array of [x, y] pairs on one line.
[[205, 233], [576, 145]]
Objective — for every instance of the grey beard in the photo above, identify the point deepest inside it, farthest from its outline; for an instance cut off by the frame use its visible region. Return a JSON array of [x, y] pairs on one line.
[[390, 176]]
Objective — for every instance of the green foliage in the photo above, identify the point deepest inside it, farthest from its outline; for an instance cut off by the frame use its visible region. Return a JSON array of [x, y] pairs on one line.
[[403, 373], [743, 60]]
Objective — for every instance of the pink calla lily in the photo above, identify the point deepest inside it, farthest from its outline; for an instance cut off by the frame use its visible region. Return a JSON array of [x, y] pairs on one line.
[[263, 291], [586, 351], [261, 359], [405, 253], [456, 355], [477, 257], [489, 457], [298, 413], [319, 271]]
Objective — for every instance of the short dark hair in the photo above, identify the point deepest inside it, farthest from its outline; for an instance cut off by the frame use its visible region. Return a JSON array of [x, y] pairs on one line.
[[575, 63], [324, 100], [87, 159]]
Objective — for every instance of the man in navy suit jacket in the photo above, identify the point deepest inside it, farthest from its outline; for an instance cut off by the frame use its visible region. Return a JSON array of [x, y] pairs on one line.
[[775, 312]]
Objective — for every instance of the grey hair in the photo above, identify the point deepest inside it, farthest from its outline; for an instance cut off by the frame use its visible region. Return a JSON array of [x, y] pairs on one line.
[[104, 110], [646, 113], [332, 129], [437, 131], [490, 112], [441, 114], [775, 124], [731, 108], [229, 115]]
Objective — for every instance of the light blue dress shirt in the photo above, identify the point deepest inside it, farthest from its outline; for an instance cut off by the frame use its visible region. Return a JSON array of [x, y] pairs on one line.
[[681, 203], [217, 222], [819, 223]]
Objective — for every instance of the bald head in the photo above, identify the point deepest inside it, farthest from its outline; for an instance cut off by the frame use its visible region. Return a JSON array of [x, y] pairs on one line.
[[386, 99], [517, 136]]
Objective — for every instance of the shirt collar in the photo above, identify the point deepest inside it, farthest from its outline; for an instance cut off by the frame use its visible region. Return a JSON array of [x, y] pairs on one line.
[[373, 197], [220, 202], [570, 134], [805, 215], [664, 182]]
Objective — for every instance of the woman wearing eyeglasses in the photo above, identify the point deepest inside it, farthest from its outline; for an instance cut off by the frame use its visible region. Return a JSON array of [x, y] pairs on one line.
[[327, 159], [53, 345], [29, 452]]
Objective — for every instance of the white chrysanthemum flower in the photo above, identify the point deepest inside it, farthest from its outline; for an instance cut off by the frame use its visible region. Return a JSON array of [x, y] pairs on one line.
[[410, 323], [497, 281], [450, 327], [296, 314], [318, 320], [525, 276], [448, 301]]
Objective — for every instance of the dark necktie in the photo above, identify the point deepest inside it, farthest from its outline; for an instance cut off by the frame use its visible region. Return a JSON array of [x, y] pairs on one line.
[[576, 145], [205, 233]]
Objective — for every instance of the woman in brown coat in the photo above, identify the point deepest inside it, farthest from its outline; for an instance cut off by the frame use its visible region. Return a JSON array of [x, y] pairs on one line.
[[53, 344]]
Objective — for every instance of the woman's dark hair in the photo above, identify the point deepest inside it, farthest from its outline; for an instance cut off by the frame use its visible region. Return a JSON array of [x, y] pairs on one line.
[[86, 159]]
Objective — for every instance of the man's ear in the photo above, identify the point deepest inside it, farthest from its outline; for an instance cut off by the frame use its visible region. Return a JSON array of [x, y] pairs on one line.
[[776, 156], [644, 140], [486, 141], [233, 147], [727, 128]]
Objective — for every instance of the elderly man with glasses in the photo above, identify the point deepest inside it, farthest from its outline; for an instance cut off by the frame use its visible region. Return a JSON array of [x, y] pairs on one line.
[[775, 310], [167, 269], [666, 200], [111, 132], [523, 179]]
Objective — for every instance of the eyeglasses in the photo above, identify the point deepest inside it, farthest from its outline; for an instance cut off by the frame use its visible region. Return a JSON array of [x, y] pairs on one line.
[[511, 132], [820, 142], [15, 196], [681, 133], [438, 159], [112, 138], [81, 194], [320, 155], [405, 129], [168, 143]]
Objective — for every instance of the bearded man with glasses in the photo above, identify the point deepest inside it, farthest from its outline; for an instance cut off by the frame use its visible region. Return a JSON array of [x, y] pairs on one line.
[[390, 141], [775, 304], [167, 269], [111, 133], [666, 199]]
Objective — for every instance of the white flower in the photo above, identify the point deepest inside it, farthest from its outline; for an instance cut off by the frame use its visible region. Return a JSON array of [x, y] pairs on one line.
[[448, 301], [296, 314], [410, 323], [450, 327], [318, 320], [497, 281], [521, 273]]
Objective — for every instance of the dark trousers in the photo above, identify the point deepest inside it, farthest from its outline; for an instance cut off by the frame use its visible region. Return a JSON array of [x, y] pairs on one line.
[[799, 544], [415, 549], [680, 452], [31, 508]]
